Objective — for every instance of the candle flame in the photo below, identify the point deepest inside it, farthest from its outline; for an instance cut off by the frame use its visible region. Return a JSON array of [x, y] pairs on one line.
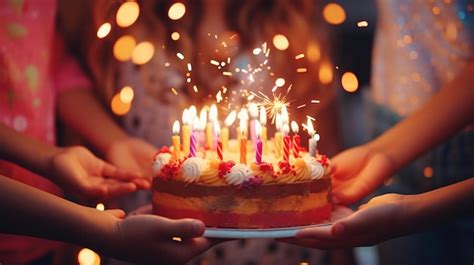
[[243, 126], [213, 113], [294, 127], [185, 117], [253, 110], [285, 129], [176, 127], [263, 116], [243, 114], [278, 121], [202, 119], [309, 127], [230, 118], [196, 123], [285, 117]]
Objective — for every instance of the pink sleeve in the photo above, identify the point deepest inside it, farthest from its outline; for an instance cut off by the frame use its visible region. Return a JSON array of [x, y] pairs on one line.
[[66, 72]]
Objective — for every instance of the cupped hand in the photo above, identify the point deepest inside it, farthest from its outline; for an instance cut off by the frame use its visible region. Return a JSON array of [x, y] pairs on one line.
[[151, 239], [382, 218], [81, 173], [357, 172], [132, 154]]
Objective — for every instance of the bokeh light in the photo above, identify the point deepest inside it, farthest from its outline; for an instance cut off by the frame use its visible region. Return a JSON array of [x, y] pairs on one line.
[[334, 14], [88, 257], [175, 35], [143, 52], [177, 11], [123, 48], [104, 30], [325, 73], [349, 82], [281, 42], [127, 14], [280, 82], [126, 94], [100, 207], [313, 52], [428, 172], [118, 106]]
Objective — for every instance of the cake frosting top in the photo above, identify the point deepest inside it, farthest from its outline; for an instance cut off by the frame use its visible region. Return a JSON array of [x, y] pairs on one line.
[[206, 169]]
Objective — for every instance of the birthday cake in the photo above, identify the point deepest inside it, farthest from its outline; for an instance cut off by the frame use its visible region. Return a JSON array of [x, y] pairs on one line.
[[278, 189]]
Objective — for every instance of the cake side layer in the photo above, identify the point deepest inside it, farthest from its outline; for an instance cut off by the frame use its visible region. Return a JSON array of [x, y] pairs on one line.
[[257, 220], [260, 191]]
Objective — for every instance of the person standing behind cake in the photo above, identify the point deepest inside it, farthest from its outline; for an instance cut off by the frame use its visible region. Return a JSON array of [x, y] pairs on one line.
[[39, 80], [206, 25]]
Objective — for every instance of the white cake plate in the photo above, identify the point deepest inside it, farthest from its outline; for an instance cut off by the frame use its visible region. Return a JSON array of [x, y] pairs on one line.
[[284, 232]]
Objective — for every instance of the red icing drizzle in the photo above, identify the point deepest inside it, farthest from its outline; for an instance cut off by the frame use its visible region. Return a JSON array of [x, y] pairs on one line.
[[284, 166], [323, 160], [224, 168], [170, 171]]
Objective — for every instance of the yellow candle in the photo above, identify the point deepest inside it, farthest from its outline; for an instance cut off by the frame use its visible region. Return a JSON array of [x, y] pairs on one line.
[[176, 141], [209, 135], [243, 149], [186, 139], [278, 143], [225, 138]]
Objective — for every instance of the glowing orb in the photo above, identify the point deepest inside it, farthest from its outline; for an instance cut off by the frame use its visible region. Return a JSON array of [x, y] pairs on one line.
[[127, 14], [280, 82], [118, 106], [325, 73], [123, 48], [334, 14], [126, 94], [349, 82], [177, 11], [175, 35], [143, 52], [281, 42], [104, 30]]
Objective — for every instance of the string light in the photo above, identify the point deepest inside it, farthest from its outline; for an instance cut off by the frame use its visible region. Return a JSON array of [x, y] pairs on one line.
[[127, 14]]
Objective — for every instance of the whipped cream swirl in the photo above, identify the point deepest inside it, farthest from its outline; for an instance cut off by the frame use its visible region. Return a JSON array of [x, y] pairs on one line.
[[238, 174], [316, 169], [160, 160], [192, 169]]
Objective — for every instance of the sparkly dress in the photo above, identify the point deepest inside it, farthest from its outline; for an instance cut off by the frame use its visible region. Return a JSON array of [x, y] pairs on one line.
[[419, 46]]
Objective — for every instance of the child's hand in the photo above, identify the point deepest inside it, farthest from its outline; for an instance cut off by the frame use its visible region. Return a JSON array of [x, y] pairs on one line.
[[357, 172], [148, 239], [382, 218], [78, 171], [132, 154]]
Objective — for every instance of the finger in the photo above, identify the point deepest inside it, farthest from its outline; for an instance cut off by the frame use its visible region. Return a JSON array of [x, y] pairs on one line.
[[92, 191], [323, 232], [116, 188], [361, 222], [116, 212], [142, 183], [182, 252], [371, 176], [110, 171], [184, 228]]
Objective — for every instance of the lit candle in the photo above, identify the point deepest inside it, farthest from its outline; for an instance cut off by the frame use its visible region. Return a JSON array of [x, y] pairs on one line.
[[193, 142], [313, 138], [217, 131], [285, 117], [296, 139], [286, 142], [176, 141], [225, 131], [263, 123], [253, 111], [243, 142], [278, 139], [209, 129], [186, 132], [243, 117], [259, 144]]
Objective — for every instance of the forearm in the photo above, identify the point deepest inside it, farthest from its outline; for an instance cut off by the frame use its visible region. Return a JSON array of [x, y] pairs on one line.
[[443, 204], [80, 110], [25, 151], [446, 113], [31, 212]]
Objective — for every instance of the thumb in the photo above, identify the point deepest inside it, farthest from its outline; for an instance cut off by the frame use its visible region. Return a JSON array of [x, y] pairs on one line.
[[116, 212], [185, 228]]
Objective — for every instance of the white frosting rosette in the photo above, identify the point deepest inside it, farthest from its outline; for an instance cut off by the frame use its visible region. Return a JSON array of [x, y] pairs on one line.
[[160, 160], [192, 169], [317, 170], [238, 174]]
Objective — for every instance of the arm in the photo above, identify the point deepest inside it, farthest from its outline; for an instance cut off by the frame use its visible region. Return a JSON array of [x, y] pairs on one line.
[[80, 110], [75, 169], [360, 170], [141, 238], [405, 214]]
